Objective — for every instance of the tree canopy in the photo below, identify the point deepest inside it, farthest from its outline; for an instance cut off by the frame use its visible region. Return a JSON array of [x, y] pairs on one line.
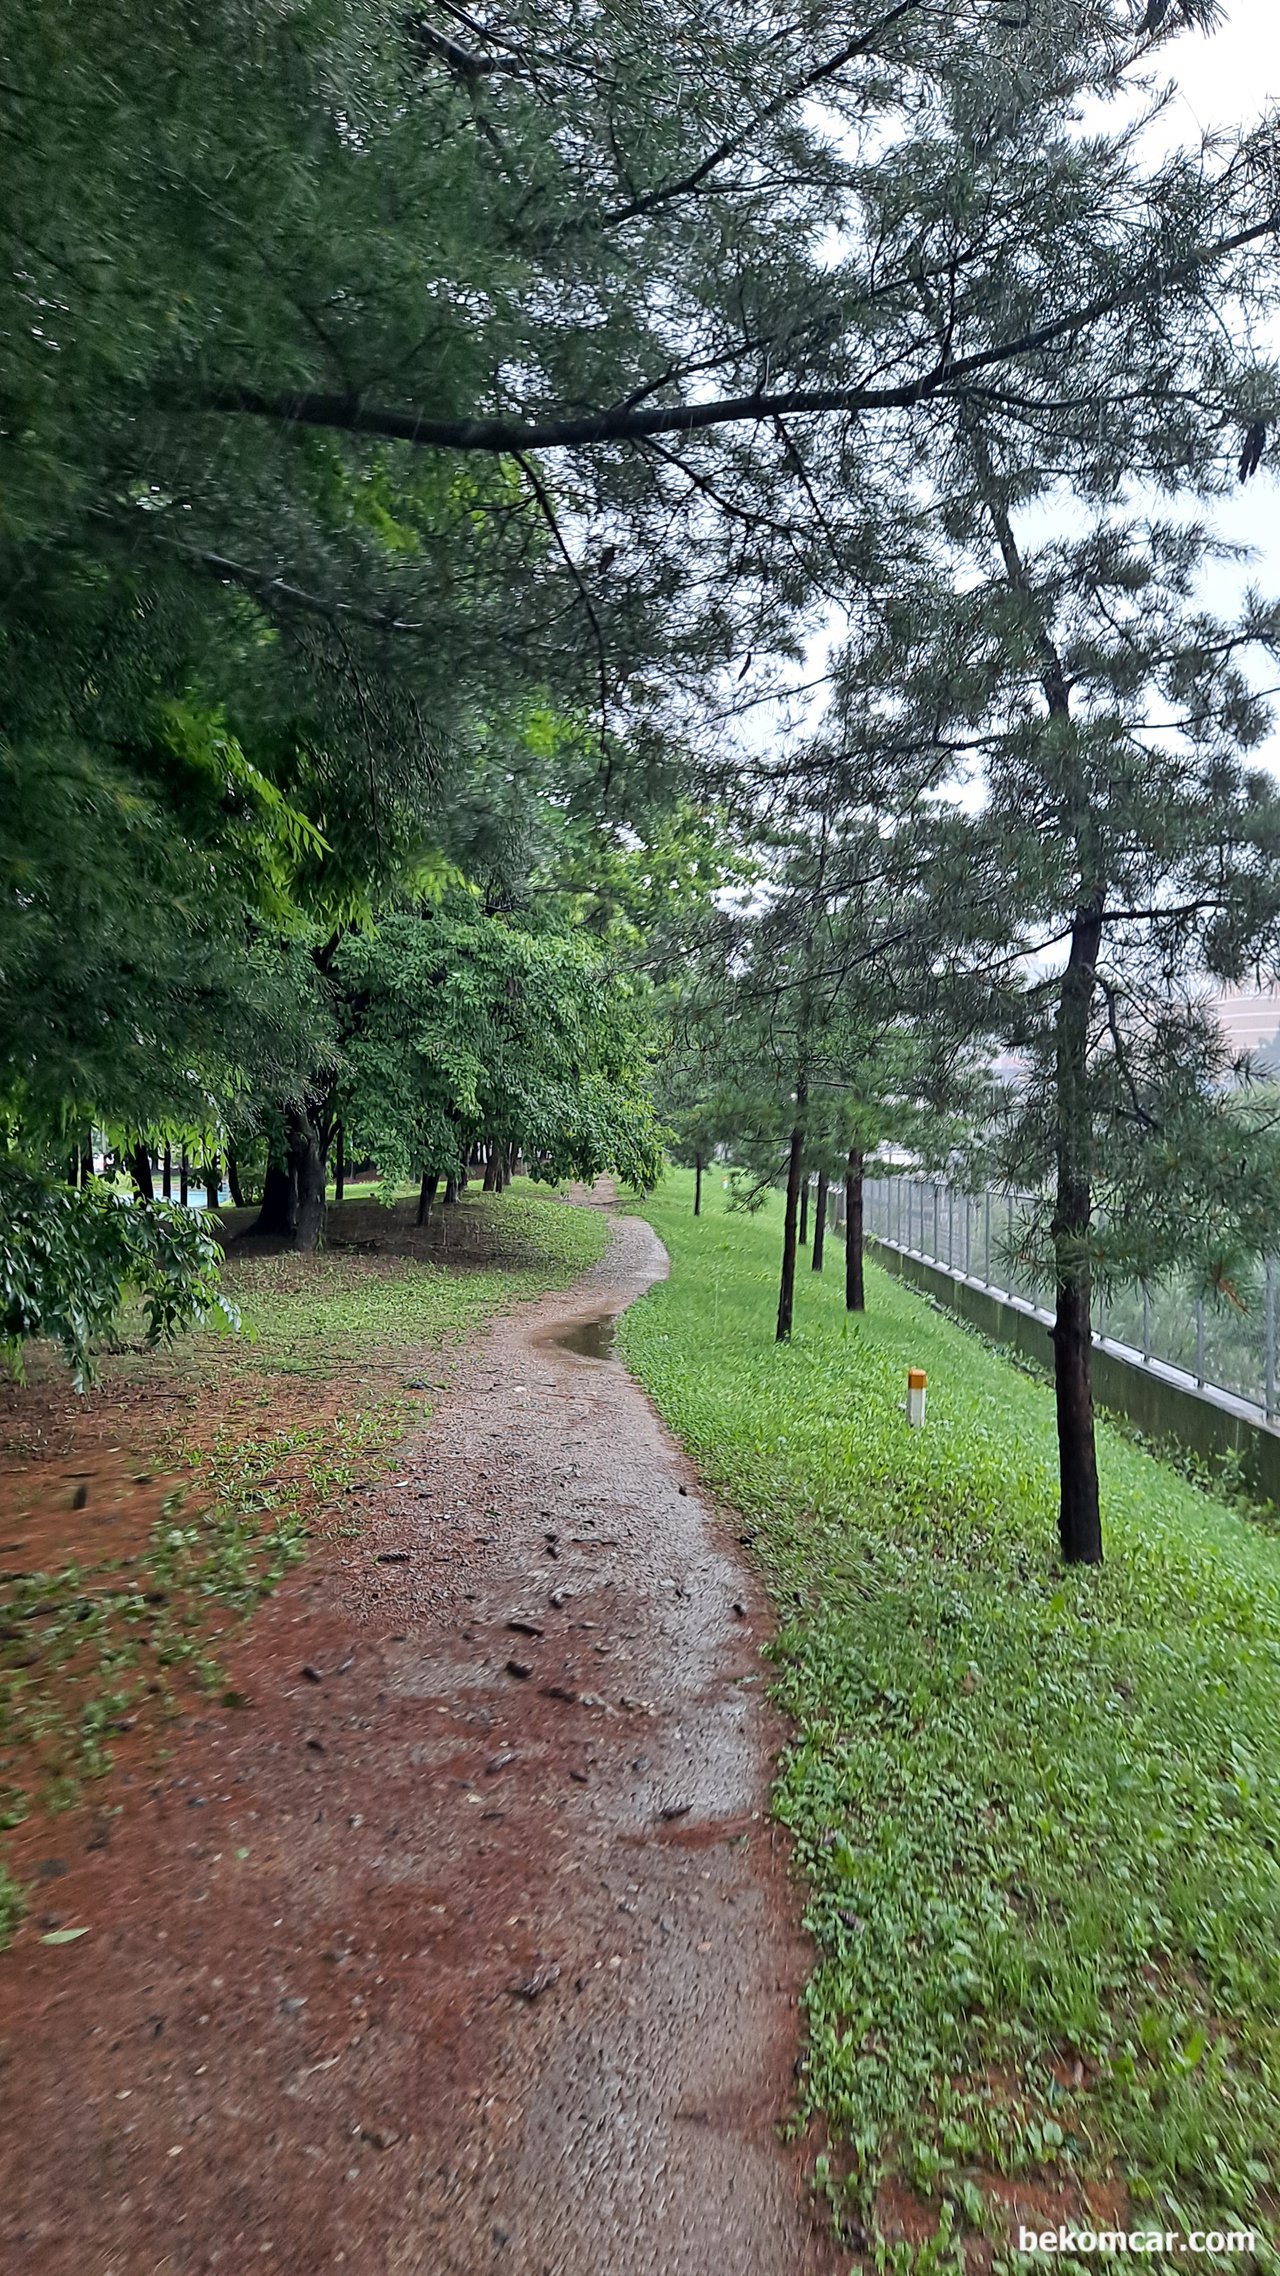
[[426, 439]]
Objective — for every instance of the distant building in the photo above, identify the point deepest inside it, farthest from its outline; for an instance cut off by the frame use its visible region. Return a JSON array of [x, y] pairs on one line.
[[1250, 1021]]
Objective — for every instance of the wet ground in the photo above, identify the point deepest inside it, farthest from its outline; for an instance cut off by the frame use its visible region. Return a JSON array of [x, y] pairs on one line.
[[465, 1944]]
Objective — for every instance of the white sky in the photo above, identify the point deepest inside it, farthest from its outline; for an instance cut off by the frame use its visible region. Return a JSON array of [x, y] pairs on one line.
[[1227, 79]]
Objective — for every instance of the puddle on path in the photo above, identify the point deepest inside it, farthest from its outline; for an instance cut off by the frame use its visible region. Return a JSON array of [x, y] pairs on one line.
[[590, 1339]]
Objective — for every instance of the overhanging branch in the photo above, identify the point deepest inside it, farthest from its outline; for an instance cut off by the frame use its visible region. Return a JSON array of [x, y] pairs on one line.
[[353, 414]]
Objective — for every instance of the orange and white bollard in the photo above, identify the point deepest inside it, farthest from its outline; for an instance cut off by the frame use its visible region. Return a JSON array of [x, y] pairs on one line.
[[915, 1396]]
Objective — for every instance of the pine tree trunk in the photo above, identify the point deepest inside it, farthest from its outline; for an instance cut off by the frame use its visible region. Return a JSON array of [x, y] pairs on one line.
[[787, 1289], [855, 1298], [1079, 1510], [804, 1211], [697, 1185], [140, 1172], [427, 1192], [820, 1221], [233, 1178], [276, 1213], [339, 1161]]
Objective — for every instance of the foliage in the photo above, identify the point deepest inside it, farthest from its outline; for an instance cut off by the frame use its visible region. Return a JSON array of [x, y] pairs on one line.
[[138, 980], [11, 1906], [463, 1026], [69, 1259], [1048, 1961], [381, 408], [820, 1019]]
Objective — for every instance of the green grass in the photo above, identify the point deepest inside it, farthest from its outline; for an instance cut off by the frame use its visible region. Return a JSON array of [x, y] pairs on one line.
[[84, 1650], [337, 1309], [1037, 1810]]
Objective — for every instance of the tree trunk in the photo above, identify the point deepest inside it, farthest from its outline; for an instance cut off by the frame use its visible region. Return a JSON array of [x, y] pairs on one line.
[[450, 1193], [697, 1185], [212, 1182], [167, 1174], [339, 1161], [277, 1214], [493, 1171], [426, 1195], [787, 1289], [140, 1172], [804, 1211], [233, 1179], [1079, 1516], [307, 1162], [1079, 1510], [820, 1221], [184, 1174], [855, 1297]]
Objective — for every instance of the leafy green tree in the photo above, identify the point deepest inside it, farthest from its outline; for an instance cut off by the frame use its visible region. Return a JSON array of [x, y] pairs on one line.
[[461, 1028], [1105, 847], [69, 1261], [144, 974], [825, 1022], [1122, 854], [636, 299]]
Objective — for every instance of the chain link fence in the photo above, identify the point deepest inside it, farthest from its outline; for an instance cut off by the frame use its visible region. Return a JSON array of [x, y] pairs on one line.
[[1218, 1345]]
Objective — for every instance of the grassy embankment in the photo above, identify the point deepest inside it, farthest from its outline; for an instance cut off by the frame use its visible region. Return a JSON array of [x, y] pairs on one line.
[[226, 1457], [1038, 1810]]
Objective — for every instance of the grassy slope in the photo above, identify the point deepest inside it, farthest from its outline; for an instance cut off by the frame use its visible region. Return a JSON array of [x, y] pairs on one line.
[[1038, 1810]]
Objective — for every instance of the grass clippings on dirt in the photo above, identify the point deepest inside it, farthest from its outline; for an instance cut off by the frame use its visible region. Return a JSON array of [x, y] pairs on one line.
[[141, 1521], [1037, 1809]]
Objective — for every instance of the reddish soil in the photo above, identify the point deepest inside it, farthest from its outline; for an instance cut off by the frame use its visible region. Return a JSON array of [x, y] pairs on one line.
[[467, 1944], [85, 1479]]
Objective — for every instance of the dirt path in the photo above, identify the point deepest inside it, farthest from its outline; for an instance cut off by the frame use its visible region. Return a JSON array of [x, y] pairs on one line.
[[461, 1948]]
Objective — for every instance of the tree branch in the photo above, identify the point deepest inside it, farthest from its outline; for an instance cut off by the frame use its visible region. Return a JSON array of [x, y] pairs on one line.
[[352, 414]]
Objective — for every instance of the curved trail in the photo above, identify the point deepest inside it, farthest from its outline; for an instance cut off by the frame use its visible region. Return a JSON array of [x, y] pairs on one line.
[[433, 1967]]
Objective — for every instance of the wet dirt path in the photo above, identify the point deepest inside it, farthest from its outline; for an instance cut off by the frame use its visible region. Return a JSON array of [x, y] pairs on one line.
[[467, 1946]]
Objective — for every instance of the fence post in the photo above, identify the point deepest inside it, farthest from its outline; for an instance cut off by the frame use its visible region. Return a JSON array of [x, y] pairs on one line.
[[1146, 1321], [936, 1206], [986, 1234], [1269, 1393], [1200, 1342], [968, 1236], [1008, 1270]]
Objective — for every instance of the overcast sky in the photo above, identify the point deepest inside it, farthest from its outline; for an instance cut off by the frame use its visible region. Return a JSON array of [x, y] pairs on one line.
[[1228, 80]]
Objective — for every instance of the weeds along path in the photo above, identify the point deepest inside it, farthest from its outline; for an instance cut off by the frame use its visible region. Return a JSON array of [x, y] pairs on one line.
[[468, 1944]]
